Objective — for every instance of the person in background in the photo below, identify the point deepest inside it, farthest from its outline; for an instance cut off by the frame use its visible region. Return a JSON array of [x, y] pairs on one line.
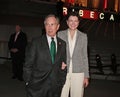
[[45, 68], [113, 63], [77, 58], [17, 44], [99, 63]]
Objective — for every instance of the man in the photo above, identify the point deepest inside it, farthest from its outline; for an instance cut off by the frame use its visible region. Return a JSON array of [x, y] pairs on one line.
[[17, 44], [77, 59], [44, 73]]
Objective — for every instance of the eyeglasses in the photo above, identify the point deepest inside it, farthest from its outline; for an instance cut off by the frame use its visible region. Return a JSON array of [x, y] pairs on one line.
[[52, 24]]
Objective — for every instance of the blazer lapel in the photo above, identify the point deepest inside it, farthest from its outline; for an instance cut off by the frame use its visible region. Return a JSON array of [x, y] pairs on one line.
[[68, 51], [76, 42], [67, 42]]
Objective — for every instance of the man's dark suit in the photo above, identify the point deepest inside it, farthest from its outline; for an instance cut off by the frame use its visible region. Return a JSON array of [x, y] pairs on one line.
[[18, 57], [44, 78]]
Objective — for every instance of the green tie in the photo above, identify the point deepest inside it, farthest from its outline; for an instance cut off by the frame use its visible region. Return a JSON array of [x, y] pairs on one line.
[[53, 50]]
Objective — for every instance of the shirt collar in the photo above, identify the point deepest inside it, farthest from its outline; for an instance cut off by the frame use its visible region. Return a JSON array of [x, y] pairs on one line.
[[49, 39], [74, 37], [18, 33]]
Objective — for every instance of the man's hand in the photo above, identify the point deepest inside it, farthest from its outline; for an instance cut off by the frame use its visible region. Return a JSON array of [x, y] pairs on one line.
[[63, 66], [14, 50]]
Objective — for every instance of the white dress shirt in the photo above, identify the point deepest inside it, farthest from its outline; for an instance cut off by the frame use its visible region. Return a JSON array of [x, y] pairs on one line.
[[49, 38], [16, 35], [72, 42]]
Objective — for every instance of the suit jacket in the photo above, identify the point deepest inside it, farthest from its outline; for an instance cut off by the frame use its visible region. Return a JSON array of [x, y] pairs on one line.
[[79, 57], [38, 69], [20, 44]]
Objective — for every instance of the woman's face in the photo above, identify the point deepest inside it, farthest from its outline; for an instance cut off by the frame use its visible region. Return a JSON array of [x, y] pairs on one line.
[[73, 22]]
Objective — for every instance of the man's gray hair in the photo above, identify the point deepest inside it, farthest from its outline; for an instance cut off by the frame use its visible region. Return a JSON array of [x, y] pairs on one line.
[[51, 15]]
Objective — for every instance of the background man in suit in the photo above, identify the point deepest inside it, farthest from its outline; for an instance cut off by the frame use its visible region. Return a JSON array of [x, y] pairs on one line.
[[17, 44], [45, 75], [77, 59]]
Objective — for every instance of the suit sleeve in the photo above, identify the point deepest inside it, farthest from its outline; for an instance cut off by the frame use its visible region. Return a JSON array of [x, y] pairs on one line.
[[63, 72], [29, 61]]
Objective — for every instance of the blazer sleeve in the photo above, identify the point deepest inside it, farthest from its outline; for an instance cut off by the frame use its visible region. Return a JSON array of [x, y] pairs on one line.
[[85, 57]]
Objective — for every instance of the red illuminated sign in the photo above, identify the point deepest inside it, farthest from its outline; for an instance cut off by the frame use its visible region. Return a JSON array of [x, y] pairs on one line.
[[89, 14], [94, 15]]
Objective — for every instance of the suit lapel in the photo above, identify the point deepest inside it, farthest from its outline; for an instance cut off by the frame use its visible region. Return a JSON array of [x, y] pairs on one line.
[[46, 46]]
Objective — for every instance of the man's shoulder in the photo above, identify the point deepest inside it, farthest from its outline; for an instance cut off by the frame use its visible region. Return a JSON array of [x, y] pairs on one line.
[[61, 40], [23, 33], [13, 34]]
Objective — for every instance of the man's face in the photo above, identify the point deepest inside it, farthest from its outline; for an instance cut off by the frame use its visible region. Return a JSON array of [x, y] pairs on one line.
[[73, 22], [51, 26], [17, 28]]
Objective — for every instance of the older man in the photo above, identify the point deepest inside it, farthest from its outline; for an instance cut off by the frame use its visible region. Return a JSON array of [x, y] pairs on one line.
[[45, 69]]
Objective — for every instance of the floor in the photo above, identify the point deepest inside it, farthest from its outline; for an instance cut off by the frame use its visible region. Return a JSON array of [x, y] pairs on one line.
[[14, 88]]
